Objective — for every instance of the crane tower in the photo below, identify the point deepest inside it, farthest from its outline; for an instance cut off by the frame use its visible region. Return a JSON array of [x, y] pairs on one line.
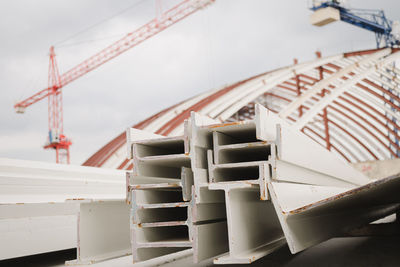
[[56, 137]]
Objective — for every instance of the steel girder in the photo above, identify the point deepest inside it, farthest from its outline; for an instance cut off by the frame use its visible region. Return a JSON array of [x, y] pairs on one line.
[[255, 185]]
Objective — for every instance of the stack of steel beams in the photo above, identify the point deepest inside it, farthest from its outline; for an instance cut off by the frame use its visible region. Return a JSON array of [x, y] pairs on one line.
[[159, 213], [239, 166], [237, 191]]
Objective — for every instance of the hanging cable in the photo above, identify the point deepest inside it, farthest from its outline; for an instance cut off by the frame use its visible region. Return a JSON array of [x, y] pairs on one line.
[[91, 40], [100, 22]]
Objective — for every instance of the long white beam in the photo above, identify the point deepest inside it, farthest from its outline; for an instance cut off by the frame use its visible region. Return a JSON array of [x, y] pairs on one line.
[[39, 207]]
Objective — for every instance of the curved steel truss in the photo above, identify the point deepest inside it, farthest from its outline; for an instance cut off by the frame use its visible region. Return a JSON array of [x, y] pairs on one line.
[[349, 103]]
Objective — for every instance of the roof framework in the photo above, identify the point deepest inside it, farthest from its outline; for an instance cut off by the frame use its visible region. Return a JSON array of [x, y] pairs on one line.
[[348, 103]]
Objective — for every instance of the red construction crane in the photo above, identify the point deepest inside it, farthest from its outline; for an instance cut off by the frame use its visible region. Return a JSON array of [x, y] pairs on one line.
[[56, 138]]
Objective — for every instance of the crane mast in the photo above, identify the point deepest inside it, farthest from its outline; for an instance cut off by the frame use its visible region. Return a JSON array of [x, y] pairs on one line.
[[56, 138]]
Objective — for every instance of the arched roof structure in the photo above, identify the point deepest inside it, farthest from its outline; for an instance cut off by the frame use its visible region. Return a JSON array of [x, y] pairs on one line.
[[349, 103]]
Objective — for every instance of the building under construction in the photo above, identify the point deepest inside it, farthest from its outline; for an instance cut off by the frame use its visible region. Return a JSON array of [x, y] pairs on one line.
[[358, 122], [282, 161]]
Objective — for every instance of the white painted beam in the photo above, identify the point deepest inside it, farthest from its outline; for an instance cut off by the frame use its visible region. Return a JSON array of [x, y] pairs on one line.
[[35, 214], [103, 231]]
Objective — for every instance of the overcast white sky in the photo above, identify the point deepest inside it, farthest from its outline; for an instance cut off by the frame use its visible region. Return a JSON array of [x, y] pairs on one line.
[[229, 41]]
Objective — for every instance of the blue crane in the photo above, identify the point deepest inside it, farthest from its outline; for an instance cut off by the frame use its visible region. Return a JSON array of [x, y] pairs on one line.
[[369, 19]]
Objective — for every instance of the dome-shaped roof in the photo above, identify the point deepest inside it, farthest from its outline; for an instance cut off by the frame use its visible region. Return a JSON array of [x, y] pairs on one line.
[[348, 103]]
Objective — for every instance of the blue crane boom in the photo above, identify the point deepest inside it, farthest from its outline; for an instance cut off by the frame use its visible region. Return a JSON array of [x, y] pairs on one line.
[[369, 19]]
